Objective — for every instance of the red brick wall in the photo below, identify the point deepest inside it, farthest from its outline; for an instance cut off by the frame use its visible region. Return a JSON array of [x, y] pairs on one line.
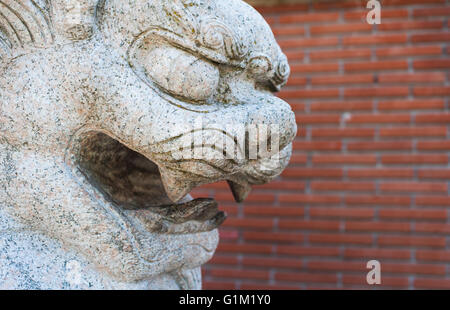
[[369, 178]]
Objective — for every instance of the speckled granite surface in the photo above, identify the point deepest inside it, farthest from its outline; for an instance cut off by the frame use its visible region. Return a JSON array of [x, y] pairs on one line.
[[97, 99]]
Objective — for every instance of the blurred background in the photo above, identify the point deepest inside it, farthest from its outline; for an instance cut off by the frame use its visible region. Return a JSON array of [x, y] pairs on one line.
[[370, 175]]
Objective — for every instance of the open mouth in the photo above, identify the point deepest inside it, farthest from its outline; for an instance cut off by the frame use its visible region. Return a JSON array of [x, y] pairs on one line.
[[133, 184]]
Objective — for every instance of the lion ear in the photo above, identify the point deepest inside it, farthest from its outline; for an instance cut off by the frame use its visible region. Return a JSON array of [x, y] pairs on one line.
[[24, 24]]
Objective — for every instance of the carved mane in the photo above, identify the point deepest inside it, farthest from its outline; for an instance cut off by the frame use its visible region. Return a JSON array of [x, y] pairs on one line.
[[24, 24]]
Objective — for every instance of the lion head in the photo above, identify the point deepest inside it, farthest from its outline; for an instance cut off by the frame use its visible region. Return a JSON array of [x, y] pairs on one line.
[[100, 101]]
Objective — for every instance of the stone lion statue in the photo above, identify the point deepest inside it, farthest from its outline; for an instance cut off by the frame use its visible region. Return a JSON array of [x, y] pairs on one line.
[[97, 100]]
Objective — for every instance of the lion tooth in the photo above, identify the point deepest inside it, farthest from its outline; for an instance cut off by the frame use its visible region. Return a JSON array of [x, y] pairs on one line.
[[176, 189], [240, 191]]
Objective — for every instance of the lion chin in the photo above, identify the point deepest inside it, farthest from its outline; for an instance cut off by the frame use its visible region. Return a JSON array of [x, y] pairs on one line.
[[101, 142]]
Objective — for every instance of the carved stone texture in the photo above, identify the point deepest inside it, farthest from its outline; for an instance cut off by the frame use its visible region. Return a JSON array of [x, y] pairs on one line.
[[99, 103], [280, 2]]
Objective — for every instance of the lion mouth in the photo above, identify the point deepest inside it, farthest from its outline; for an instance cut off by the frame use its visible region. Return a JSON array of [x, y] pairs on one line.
[[133, 184], [155, 195]]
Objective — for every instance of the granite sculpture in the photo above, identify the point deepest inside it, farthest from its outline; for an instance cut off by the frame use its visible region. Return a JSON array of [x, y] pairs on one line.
[[111, 112]]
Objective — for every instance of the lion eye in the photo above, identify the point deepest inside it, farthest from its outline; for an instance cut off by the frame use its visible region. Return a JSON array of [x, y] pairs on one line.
[[181, 74]]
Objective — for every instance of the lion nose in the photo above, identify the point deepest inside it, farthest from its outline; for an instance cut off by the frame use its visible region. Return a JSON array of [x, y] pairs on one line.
[[275, 121], [287, 121]]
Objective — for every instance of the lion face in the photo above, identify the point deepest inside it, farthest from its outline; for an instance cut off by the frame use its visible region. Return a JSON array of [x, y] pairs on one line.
[[107, 135]]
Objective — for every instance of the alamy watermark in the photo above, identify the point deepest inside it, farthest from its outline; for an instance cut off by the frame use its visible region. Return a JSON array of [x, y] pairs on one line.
[[73, 273], [374, 16], [374, 275]]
